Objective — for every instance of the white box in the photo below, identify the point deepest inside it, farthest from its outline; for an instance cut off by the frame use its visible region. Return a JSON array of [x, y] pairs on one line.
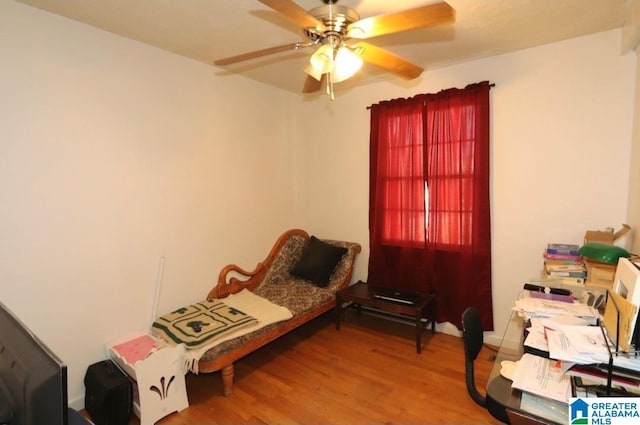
[[157, 375]]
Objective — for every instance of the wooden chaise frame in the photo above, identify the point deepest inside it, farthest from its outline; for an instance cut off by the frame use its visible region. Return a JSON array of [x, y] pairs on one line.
[[230, 285]]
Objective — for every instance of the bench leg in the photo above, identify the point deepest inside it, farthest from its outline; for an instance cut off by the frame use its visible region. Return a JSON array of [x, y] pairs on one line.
[[338, 311], [419, 327], [433, 317], [227, 379]]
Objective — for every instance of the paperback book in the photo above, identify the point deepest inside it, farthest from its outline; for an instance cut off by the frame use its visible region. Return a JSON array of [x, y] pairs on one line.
[[566, 270], [575, 261], [565, 257], [564, 280], [562, 248]]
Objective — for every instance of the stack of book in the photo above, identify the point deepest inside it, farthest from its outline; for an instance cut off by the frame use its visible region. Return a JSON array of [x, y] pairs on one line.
[[562, 263]]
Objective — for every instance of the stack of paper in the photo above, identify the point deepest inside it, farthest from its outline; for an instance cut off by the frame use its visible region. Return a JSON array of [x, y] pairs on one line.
[[579, 344], [570, 340], [537, 332], [537, 307], [561, 342], [630, 361], [543, 377]]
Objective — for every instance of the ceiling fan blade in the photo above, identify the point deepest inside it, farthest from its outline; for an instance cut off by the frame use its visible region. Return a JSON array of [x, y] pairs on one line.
[[386, 60], [430, 15], [256, 54], [296, 14], [311, 85]]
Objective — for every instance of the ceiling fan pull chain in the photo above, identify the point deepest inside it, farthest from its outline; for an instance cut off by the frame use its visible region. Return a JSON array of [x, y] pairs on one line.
[[330, 85]]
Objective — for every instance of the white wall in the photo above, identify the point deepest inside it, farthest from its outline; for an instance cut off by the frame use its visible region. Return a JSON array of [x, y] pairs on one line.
[[633, 213], [561, 138], [114, 154]]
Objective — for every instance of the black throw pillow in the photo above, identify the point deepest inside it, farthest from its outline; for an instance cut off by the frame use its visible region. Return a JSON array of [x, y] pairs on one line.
[[318, 261]]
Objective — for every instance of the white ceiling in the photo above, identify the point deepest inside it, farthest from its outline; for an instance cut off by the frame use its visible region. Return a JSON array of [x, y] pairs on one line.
[[206, 30]]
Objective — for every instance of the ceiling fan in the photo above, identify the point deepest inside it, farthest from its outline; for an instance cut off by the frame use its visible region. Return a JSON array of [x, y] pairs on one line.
[[332, 28]]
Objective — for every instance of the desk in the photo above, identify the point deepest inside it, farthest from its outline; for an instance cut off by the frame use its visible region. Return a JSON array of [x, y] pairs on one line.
[[500, 395], [361, 295]]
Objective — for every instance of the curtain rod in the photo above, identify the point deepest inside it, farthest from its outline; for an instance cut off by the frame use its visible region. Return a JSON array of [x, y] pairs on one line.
[[490, 85]]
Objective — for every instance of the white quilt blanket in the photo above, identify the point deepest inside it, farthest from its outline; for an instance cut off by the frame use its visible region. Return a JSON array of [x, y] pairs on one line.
[[260, 308]]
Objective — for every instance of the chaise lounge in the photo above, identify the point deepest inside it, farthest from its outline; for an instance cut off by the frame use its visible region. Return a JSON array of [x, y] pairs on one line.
[[300, 273]]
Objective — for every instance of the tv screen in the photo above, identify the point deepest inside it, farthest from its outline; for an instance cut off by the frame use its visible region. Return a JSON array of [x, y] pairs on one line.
[[33, 380]]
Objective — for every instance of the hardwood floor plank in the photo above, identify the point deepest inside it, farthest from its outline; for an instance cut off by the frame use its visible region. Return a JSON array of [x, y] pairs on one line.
[[368, 372]]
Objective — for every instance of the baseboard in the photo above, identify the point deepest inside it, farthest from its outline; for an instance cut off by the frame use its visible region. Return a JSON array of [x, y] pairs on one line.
[[77, 403]]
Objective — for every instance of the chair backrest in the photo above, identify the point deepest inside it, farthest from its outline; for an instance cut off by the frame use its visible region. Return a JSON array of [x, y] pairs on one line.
[[473, 339]]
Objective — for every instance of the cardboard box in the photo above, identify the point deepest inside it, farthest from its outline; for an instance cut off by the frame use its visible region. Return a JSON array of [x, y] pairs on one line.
[[606, 236], [600, 274]]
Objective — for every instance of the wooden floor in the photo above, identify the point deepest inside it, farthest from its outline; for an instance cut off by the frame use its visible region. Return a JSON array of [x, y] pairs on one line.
[[368, 372]]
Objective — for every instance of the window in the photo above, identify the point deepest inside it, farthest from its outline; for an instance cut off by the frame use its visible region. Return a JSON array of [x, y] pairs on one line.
[[402, 179], [439, 190], [429, 212], [450, 174]]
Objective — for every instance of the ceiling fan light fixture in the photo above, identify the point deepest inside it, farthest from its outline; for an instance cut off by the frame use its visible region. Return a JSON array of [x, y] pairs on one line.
[[346, 64], [342, 63], [321, 61], [310, 70]]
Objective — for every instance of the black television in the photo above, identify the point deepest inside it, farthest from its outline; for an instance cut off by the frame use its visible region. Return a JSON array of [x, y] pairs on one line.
[[33, 380]]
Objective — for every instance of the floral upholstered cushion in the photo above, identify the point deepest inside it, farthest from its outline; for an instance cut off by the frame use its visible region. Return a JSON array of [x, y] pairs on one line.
[[285, 259]]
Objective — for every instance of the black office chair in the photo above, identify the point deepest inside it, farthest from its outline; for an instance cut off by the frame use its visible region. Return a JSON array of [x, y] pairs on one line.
[[473, 341]]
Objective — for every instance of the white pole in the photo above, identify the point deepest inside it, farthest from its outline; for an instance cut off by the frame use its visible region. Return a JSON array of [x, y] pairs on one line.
[[156, 295]]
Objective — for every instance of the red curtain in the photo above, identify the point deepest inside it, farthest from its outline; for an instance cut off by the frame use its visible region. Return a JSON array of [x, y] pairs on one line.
[[429, 215]]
